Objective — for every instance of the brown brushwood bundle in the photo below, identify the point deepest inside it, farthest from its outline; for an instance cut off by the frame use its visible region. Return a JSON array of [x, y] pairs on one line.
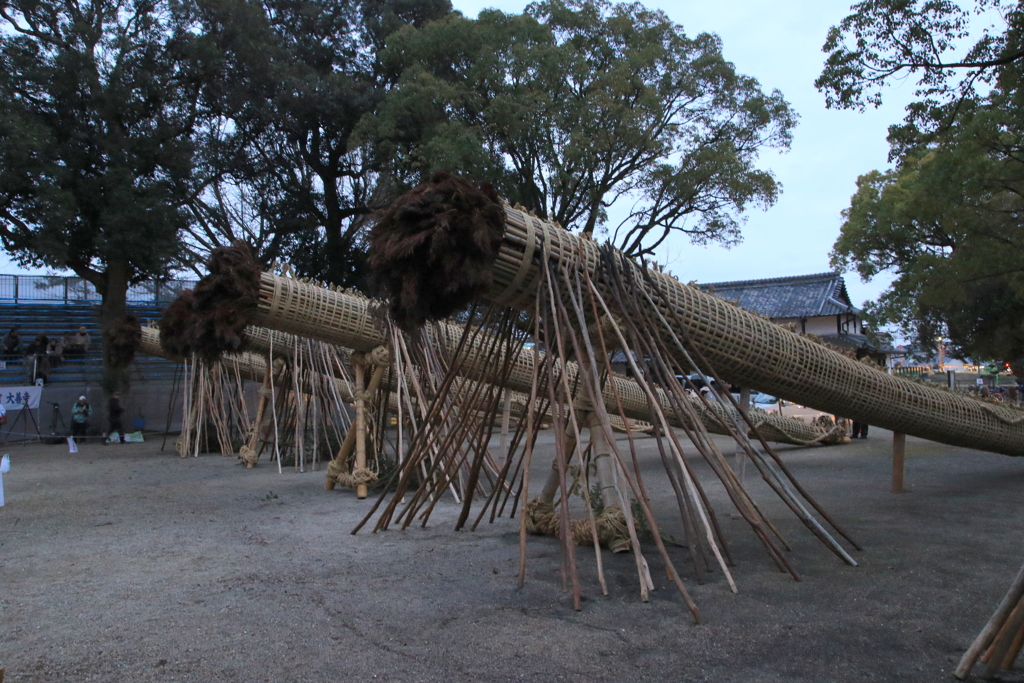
[[431, 247]]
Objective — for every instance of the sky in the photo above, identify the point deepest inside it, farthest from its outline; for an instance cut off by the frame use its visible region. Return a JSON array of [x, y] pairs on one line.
[[779, 43]]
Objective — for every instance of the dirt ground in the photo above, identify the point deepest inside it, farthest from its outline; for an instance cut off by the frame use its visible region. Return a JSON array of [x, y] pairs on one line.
[[122, 563]]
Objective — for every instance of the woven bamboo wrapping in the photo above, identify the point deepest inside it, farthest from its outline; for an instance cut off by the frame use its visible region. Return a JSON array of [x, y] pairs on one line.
[[307, 310], [289, 305], [753, 352]]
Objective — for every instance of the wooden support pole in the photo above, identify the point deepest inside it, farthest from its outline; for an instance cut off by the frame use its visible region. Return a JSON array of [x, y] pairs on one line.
[[261, 408], [360, 425], [352, 437], [343, 453], [602, 457], [899, 443], [506, 414], [547, 494]]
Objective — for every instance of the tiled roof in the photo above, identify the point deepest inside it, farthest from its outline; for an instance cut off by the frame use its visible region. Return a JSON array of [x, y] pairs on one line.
[[802, 296]]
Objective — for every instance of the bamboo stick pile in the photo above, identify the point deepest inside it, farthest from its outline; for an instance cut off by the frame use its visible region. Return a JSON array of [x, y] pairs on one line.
[[572, 393], [303, 402]]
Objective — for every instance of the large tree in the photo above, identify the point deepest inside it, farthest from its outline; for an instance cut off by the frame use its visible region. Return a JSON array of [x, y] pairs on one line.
[[298, 77], [98, 105], [955, 240], [576, 104], [946, 220]]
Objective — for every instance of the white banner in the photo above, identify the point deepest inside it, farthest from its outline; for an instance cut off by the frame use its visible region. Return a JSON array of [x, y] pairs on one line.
[[16, 398]]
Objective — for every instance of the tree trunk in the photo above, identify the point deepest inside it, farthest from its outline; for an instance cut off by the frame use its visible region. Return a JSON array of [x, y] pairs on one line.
[[112, 312]]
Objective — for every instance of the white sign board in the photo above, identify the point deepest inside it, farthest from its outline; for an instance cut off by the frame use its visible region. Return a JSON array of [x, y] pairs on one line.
[[3, 365], [979, 381], [16, 398]]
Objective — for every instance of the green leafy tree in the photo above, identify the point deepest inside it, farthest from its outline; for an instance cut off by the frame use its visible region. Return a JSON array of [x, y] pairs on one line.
[[956, 51], [98, 103], [298, 77], [947, 219], [576, 104], [948, 223]]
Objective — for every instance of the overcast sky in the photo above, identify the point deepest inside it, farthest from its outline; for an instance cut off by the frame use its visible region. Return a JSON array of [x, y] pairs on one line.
[[779, 43]]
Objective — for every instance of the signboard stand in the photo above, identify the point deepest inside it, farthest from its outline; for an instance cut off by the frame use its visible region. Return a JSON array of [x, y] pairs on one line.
[[21, 400]]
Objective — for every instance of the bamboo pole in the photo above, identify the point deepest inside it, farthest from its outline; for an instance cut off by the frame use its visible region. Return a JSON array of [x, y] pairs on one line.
[[248, 451], [995, 624]]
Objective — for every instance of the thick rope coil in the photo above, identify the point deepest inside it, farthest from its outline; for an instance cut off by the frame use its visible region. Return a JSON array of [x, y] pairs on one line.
[[338, 472], [612, 532], [248, 455]]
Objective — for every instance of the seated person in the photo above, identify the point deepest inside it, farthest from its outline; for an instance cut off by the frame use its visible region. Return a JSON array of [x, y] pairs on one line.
[[55, 352], [38, 345], [78, 342], [10, 347]]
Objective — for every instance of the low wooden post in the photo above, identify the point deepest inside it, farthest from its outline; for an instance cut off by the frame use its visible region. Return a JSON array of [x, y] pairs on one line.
[[899, 443]]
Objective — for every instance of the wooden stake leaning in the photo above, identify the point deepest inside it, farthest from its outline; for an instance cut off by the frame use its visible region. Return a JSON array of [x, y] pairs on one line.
[[1001, 637]]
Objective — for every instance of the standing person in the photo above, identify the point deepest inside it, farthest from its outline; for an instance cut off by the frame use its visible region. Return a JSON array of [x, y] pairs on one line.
[[860, 430], [114, 412], [80, 414]]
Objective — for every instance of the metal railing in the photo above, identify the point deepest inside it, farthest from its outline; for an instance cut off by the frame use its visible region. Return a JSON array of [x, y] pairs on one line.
[[73, 290], [912, 370]]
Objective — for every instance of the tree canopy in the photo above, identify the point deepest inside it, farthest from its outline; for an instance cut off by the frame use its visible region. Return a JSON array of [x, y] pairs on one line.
[[947, 218], [956, 51], [575, 104], [98, 106], [955, 241], [298, 75]]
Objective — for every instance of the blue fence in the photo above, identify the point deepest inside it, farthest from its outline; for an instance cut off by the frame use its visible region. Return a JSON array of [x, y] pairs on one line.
[[65, 290]]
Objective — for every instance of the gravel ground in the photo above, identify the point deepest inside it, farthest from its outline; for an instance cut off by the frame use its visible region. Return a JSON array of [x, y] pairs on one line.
[[122, 563]]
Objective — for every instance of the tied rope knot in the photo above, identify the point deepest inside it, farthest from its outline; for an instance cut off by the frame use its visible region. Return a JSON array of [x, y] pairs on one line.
[[612, 531], [379, 356], [338, 472], [248, 455]]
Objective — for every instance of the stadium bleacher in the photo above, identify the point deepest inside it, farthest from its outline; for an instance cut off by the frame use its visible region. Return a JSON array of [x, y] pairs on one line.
[[55, 306]]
